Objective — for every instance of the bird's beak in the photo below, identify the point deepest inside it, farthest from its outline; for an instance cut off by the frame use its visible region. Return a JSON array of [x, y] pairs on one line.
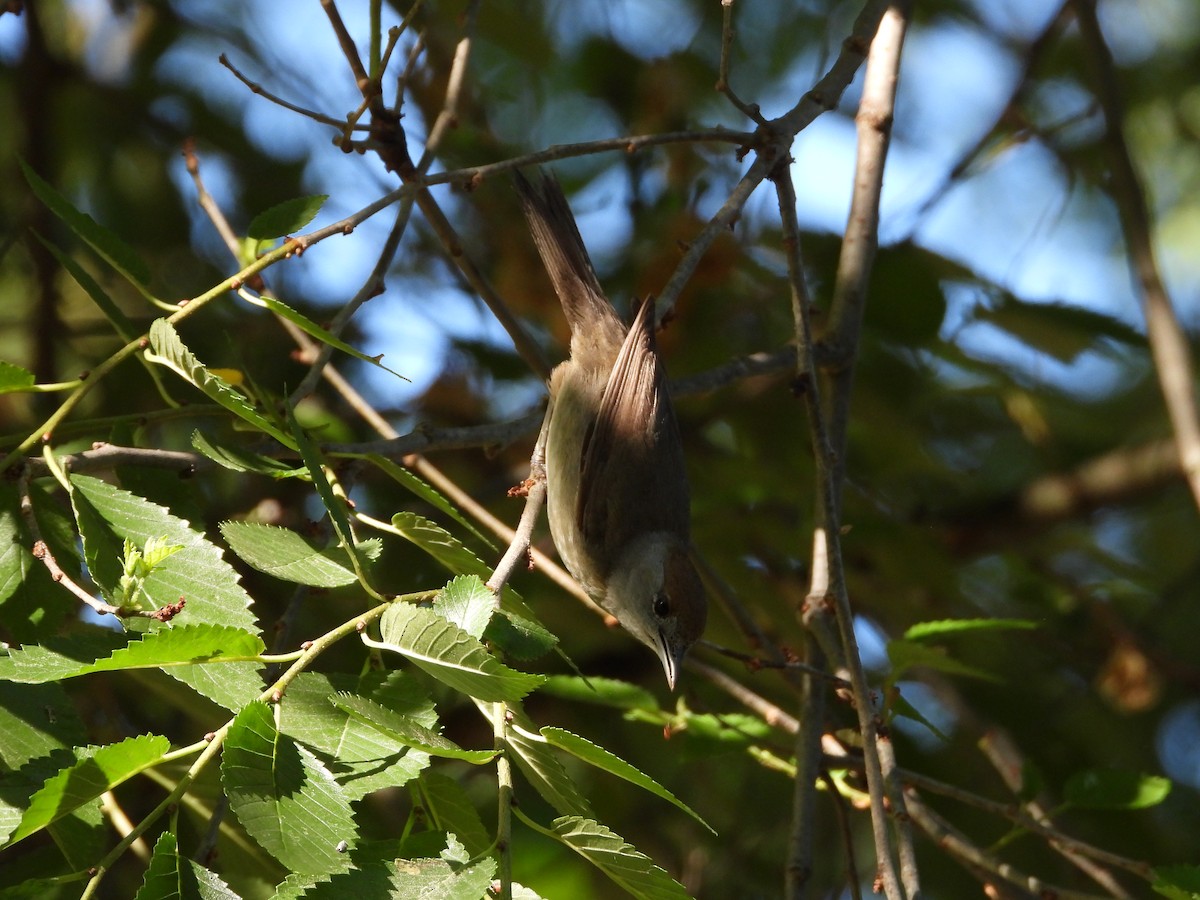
[[672, 663]]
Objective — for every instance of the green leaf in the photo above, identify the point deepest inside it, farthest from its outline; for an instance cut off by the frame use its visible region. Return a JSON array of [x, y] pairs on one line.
[[238, 459], [905, 655], [925, 630], [451, 655], [439, 544], [32, 606], [451, 810], [405, 731], [539, 762], [100, 770], [519, 637], [361, 758], [311, 328], [334, 506], [170, 351], [286, 800], [58, 657], [119, 321], [901, 707], [34, 721], [1115, 789], [1177, 882], [1057, 329], [604, 691], [286, 555], [286, 217], [597, 756], [14, 379], [421, 489], [197, 573], [468, 603], [173, 877], [620, 861], [111, 248], [181, 645]]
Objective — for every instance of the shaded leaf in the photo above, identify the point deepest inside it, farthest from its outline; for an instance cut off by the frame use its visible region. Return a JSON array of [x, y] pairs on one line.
[[1177, 882], [539, 762], [170, 351], [418, 487], [238, 459], [597, 756], [620, 861], [406, 731], [906, 655], [283, 796], [451, 655], [198, 573], [101, 769], [604, 691], [451, 810], [1115, 789], [173, 877], [115, 251]]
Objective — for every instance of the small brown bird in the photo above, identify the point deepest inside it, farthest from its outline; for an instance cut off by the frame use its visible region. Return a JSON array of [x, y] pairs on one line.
[[617, 492]]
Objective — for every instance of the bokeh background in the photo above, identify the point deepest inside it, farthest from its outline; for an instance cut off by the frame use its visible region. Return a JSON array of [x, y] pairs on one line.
[[1004, 348]]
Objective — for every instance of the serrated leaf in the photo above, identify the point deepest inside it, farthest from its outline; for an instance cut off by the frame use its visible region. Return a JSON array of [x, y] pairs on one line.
[[451, 810], [1115, 789], [404, 730], [170, 351], [1177, 882], [179, 646], [198, 573], [906, 655], [925, 630], [450, 655], [620, 861], [32, 606], [286, 217], [439, 544], [115, 251], [238, 459], [100, 770], [361, 758], [286, 555], [34, 721], [316, 470], [173, 877], [468, 603], [398, 879], [421, 489], [539, 762], [14, 379], [605, 691], [519, 637], [312, 329], [56, 658], [286, 800], [602, 759]]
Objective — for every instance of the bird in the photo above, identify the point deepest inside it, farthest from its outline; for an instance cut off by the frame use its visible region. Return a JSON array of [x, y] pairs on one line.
[[617, 493]]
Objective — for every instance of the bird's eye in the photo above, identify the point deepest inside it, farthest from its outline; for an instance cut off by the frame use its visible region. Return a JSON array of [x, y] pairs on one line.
[[662, 606]]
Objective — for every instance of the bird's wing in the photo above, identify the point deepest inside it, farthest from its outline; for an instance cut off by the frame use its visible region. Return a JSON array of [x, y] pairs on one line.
[[632, 477]]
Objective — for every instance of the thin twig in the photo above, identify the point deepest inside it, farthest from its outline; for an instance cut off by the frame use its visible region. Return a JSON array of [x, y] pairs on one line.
[[749, 110], [1168, 343], [953, 841]]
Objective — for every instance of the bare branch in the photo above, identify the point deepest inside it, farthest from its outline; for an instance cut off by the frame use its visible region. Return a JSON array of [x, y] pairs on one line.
[[1168, 343]]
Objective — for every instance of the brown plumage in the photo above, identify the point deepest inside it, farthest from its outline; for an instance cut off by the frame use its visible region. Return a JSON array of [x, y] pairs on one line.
[[617, 492]]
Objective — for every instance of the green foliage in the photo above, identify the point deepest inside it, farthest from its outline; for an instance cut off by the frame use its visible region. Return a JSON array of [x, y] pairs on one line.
[[320, 713]]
